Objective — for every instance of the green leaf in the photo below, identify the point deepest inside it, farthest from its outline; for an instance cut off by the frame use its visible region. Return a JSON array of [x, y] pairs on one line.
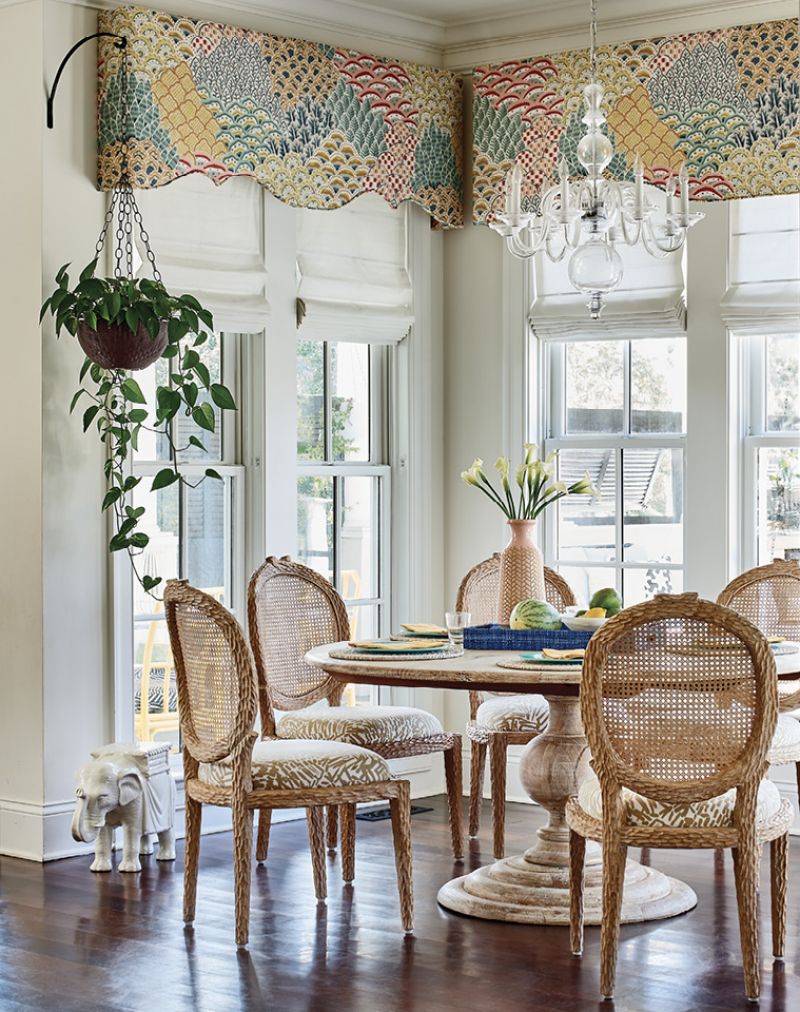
[[118, 543], [190, 359], [133, 392], [139, 540], [90, 319], [211, 473], [76, 398], [58, 297], [43, 310], [132, 319], [168, 401], [194, 441], [114, 304], [149, 582], [111, 497], [206, 317], [201, 371], [88, 270], [177, 330], [201, 338], [94, 288], [190, 392], [166, 476], [134, 514], [153, 325], [222, 397], [137, 415], [130, 483], [62, 278], [87, 364], [88, 415], [203, 415], [170, 351]]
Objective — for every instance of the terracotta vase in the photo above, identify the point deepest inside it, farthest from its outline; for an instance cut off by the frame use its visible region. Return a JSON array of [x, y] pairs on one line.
[[521, 569]]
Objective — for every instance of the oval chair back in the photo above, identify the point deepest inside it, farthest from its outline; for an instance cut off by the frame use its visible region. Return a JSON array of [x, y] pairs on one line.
[[769, 596]]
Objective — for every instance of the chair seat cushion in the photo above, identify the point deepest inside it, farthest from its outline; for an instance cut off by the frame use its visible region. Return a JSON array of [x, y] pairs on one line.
[[785, 747], [714, 812], [287, 765], [513, 713], [360, 725]]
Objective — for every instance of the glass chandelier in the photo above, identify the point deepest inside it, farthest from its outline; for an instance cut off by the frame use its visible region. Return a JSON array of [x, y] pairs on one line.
[[589, 217]]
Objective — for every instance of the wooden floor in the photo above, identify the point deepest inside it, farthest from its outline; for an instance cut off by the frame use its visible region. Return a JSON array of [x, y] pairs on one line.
[[71, 940]]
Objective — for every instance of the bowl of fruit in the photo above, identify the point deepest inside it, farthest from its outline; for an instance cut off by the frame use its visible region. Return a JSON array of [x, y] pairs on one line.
[[603, 605]]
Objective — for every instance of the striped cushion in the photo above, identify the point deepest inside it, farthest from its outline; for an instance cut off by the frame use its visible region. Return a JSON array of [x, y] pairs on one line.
[[155, 692]]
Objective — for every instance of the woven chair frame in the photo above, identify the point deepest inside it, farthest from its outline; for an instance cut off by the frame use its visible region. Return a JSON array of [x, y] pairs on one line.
[[273, 678], [479, 594], [722, 674], [184, 606], [776, 585]]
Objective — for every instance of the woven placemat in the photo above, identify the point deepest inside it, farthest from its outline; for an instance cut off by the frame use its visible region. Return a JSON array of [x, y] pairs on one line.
[[541, 669], [351, 654]]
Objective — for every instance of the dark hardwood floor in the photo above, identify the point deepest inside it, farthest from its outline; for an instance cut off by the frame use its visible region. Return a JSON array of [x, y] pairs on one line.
[[71, 940]]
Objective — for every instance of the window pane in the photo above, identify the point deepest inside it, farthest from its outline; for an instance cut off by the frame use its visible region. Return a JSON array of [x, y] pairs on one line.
[[783, 383], [587, 526], [161, 523], [310, 400], [586, 581], [358, 537], [641, 584], [315, 523], [150, 446], [778, 504], [653, 497], [595, 386], [658, 385], [208, 533], [350, 401], [211, 356], [364, 620]]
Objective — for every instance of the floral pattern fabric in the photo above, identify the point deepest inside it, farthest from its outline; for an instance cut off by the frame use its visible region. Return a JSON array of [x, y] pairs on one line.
[[727, 103], [314, 124], [360, 725], [295, 765], [713, 813]]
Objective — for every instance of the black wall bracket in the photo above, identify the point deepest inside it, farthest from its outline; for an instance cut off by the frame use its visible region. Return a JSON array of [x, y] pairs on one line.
[[121, 44]]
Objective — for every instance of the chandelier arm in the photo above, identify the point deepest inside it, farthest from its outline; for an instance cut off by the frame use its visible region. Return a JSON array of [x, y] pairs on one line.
[[556, 257], [654, 246], [516, 247], [630, 241]]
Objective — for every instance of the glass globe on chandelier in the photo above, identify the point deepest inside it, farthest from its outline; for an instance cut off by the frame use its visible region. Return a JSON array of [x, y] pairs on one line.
[[587, 218]]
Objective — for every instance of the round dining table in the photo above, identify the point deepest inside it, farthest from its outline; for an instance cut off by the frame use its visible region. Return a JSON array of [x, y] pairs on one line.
[[533, 887]]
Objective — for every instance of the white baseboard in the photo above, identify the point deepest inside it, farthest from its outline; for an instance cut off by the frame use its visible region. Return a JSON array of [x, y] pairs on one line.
[[42, 832]]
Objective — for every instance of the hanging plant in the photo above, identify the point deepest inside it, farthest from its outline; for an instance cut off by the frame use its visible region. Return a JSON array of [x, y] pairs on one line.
[[125, 323]]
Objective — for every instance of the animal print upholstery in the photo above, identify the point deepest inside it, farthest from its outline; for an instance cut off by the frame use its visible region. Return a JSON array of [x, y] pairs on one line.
[[360, 725]]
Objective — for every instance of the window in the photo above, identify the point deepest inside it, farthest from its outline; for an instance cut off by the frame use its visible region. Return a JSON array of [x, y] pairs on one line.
[[617, 409], [771, 464], [343, 480], [195, 533]]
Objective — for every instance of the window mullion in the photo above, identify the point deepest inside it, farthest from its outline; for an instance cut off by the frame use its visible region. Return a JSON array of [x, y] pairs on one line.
[[328, 403]]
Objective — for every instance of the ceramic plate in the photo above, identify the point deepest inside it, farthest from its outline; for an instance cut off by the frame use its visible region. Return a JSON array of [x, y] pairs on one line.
[[537, 657], [398, 646]]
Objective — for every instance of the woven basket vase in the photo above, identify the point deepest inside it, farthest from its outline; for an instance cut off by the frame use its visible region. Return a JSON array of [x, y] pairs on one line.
[[116, 346], [521, 569]]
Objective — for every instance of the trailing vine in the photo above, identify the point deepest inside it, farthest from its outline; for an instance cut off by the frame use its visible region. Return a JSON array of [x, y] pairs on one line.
[[116, 404]]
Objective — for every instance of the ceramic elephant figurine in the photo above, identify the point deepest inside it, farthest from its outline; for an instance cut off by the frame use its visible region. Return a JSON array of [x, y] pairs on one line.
[[123, 786]]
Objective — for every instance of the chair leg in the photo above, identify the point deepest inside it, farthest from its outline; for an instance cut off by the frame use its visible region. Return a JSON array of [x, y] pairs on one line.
[[242, 863], [746, 867], [455, 785], [400, 808], [614, 858], [332, 826], [194, 814], [316, 838], [262, 840], [498, 749], [347, 814], [577, 855], [477, 766], [779, 869]]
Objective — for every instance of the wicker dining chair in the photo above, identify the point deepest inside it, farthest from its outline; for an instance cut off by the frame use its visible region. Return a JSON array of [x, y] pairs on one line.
[[679, 702], [224, 764], [496, 723], [769, 596], [290, 609]]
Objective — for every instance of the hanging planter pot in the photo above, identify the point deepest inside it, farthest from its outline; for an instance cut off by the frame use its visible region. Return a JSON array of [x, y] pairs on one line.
[[116, 346]]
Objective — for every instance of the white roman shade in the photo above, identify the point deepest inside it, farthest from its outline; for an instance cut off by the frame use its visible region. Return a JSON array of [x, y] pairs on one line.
[[650, 301], [763, 293], [353, 279], [209, 242]]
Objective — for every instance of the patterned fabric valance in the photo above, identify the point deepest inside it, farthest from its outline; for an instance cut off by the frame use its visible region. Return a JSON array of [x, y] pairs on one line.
[[315, 125], [726, 102]]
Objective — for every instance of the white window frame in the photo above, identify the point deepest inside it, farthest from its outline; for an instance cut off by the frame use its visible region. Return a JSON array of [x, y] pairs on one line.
[[552, 356], [753, 436]]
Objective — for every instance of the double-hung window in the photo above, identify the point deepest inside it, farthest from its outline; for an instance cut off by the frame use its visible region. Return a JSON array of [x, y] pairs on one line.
[[195, 533], [617, 409], [343, 479]]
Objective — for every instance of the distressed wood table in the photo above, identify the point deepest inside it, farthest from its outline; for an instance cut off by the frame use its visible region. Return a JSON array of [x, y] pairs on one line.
[[532, 888]]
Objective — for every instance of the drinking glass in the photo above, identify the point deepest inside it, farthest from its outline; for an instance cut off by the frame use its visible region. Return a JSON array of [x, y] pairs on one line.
[[456, 622]]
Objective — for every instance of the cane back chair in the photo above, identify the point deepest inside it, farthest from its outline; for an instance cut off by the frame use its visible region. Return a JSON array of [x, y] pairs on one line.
[[496, 723], [769, 596], [290, 609], [225, 765], [679, 701]]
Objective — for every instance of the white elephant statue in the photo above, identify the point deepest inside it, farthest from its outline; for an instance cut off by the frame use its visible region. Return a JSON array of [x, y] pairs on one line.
[[128, 786]]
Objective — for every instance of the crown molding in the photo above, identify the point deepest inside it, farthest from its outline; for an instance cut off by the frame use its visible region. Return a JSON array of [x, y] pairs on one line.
[[460, 44]]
